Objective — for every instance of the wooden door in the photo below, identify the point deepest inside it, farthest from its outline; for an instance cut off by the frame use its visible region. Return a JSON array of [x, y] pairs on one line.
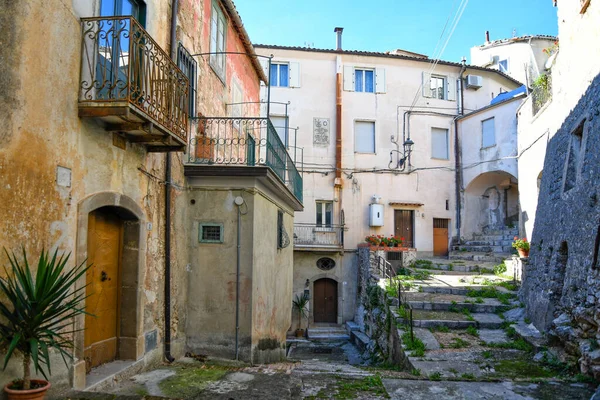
[[440, 237], [103, 280], [403, 223], [325, 300]]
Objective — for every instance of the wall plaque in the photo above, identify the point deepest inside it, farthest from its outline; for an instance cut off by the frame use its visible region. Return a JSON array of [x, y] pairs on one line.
[[321, 129]]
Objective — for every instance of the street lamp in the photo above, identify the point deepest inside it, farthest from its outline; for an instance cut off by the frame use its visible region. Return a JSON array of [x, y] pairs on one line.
[[404, 155]]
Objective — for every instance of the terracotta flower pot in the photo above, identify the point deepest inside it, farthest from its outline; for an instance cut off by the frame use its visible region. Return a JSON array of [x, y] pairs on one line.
[[299, 333], [31, 394], [523, 253]]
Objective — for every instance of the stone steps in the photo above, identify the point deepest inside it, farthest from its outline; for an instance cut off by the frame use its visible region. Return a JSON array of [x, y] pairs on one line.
[[479, 256], [448, 302], [485, 248], [452, 320], [328, 333]]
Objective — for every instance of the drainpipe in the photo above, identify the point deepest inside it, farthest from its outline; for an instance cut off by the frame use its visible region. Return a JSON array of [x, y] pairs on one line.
[[168, 355], [238, 202], [457, 152], [337, 183]]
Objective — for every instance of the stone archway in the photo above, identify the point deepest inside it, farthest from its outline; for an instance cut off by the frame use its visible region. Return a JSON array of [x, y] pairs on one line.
[[129, 336], [491, 203]]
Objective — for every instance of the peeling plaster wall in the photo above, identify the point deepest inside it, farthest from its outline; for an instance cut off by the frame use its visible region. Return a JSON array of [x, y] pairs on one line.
[[41, 130]]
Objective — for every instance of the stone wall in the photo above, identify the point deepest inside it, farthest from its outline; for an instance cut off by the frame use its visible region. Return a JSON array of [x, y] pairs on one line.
[[561, 286], [375, 318]]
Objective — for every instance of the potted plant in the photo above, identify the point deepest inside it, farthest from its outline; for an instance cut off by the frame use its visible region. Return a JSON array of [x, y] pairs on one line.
[[37, 316], [300, 304], [522, 246], [373, 240]]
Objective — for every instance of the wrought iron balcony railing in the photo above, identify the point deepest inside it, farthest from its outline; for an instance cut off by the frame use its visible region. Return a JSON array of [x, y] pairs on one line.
[[318, 236], [541, 93], [130, 82], [243, 141]]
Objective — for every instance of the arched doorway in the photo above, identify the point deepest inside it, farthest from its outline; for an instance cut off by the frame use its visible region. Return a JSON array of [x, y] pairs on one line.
[[325, 301], [109, 236]]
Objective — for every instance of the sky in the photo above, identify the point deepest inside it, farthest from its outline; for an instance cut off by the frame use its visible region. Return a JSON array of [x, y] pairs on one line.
[[382, 25]]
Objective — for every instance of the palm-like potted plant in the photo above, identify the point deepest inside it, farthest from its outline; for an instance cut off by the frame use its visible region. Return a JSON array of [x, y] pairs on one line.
[[300, 304], [37, 316]]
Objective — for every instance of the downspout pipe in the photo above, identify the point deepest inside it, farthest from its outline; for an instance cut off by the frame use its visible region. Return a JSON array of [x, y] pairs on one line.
[[457, 152], [168, 356], [238, 202]]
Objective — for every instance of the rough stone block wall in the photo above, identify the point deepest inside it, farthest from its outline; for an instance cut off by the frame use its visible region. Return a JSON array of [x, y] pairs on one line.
[[375, 318], [561, 283]]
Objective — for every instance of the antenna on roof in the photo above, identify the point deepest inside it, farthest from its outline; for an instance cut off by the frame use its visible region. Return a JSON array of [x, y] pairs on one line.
[[309, 45], [514, 32]]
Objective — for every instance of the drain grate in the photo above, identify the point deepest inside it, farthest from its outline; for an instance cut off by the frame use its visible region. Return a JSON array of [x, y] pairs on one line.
[[322, 350]]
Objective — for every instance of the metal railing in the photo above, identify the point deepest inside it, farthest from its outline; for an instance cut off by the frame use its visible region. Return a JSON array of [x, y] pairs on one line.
[[246, 141], [541, 93], [120, 62], [315, 235]]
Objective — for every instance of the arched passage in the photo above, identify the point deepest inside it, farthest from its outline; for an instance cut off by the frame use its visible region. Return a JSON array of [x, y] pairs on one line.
[[491, 203], [109, 236]]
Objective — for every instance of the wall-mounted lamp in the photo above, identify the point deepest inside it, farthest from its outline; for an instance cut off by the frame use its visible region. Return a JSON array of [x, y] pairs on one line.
[[403, 155], [307, 283]]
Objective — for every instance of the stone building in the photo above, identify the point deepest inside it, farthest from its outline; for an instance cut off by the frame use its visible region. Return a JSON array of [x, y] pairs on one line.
[[100, 100], [559, 149], [347, 115]]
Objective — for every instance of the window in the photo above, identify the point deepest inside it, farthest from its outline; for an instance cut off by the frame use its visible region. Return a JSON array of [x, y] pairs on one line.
[[217, 41], [438, 87], [325, 263], [188, 66], [366, 80], [211, 233], [324, 213], [135, 8], [503, 66], [280, 75], [280, 123], [574, 157], [488, 133], [439, 143], [363, 80], [364, 137]]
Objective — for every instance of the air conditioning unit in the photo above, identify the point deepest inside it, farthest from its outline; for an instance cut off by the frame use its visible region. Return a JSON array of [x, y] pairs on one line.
[[474, 82]]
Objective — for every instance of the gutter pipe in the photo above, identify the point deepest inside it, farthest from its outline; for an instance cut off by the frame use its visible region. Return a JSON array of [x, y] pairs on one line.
[[457, 152], [168, 356]]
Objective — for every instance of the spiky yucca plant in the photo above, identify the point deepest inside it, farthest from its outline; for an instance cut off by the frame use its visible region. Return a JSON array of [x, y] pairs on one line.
[[300, 304], [38, 313]]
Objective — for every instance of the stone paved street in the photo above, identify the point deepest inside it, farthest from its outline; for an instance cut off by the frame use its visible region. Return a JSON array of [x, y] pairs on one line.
[[319, 370]]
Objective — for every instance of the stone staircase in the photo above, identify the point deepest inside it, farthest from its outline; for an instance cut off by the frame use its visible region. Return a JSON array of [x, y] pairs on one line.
[[464, 334], [489, 246], [328, 333]]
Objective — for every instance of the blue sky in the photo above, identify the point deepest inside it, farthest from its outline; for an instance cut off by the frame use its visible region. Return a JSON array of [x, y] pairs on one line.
[[381, 25]]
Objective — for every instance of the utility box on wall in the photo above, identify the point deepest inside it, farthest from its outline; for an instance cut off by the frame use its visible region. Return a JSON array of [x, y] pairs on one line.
[[375, 214]]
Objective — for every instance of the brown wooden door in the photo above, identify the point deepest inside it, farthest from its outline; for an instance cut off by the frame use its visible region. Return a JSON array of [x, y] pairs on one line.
[[325, 299], [403, 222], [103, 279], [440, 237]]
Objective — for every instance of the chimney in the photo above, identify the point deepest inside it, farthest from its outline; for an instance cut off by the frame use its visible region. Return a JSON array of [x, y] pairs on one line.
[[487, 36], [339, 31]]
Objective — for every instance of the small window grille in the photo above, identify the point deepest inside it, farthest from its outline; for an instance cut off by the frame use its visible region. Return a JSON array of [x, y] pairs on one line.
[[325, 263], [211, 233], [394, 256]]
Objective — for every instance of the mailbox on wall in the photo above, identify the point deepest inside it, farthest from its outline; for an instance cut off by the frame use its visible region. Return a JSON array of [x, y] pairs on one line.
[[375, 214]]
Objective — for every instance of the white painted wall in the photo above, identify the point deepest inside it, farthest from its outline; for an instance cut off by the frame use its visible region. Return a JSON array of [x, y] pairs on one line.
[[576, 65], [432, 180]]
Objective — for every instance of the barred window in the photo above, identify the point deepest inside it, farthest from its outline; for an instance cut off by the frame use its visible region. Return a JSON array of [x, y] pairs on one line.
[[211, 233]]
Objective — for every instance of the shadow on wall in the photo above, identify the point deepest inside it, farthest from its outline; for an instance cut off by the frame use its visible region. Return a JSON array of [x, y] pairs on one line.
[[561, 287]]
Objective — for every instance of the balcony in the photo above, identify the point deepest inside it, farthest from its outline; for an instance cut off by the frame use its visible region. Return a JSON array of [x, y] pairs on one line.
[[248, 142], [314, 237], [130, 85]]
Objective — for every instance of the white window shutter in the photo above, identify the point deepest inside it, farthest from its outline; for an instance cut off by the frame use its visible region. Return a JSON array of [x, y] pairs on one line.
[[264, 63], [426, 84], [294, 73], [451, 88], [380, 80], [349, 78]]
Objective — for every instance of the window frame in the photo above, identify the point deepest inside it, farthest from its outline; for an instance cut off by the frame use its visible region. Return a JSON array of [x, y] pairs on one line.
[[322, 205], [447, 131], [278, 83], [374, 136], [483, 121], [507, 65], [203, 225], [188, 65], [444, 88], [214, 59], [364, 80]]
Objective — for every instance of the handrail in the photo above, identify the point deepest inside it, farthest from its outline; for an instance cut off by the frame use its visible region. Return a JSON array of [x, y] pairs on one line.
[[121, 62]]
